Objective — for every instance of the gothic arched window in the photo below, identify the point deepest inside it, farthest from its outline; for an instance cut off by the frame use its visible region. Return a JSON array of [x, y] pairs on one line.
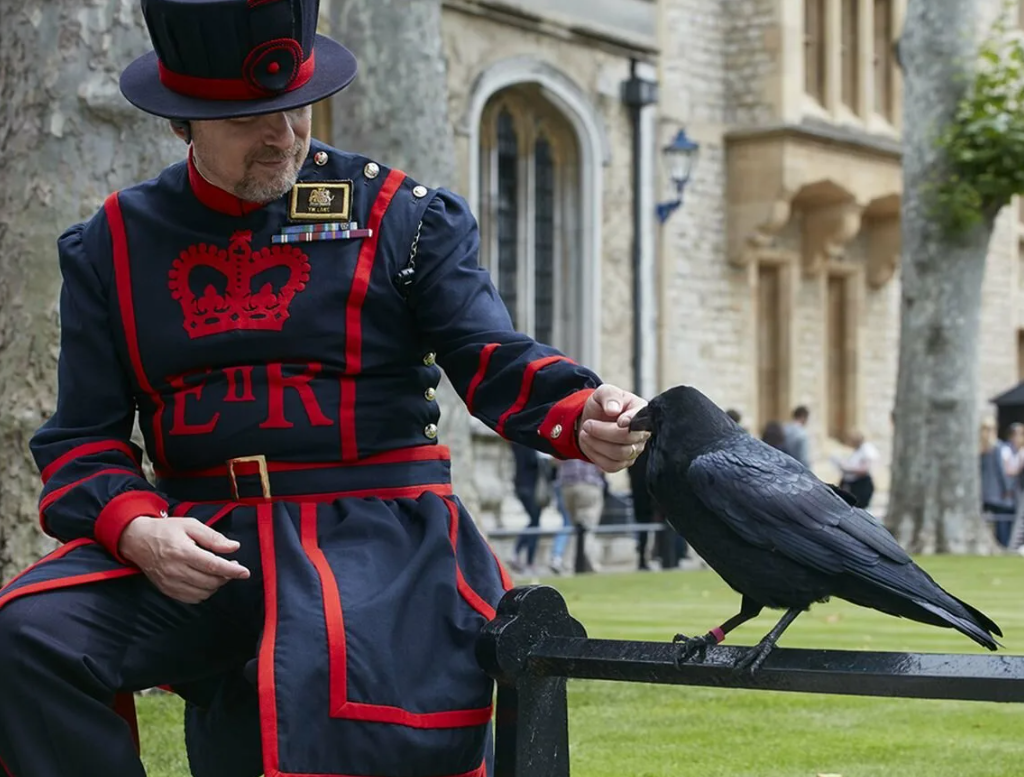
[[529, 214]]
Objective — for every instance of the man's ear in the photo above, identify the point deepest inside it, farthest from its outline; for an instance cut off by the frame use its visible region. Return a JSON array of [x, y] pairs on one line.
[[182, 129]]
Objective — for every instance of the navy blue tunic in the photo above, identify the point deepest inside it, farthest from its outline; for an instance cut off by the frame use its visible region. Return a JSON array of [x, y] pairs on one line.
[[286, 394]]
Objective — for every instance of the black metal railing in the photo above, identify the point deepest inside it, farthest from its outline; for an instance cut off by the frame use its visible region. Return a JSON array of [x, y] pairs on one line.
[[533, 645]]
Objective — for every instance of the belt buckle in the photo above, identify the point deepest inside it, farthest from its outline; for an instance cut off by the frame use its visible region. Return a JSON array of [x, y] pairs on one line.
[[261, 462]]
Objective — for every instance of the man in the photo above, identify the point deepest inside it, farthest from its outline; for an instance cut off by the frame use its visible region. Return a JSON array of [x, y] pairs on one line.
[[796, 444], [276, 311]]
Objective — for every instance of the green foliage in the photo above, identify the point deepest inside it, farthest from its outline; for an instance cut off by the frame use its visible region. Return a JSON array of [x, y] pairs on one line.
[[618, 729], [984, 143]]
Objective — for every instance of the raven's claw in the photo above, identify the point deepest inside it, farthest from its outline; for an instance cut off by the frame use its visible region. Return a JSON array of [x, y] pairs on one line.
[[754, 658], [693, 646]]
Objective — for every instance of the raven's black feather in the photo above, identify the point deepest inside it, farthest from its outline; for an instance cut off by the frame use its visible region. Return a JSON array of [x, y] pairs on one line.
[[774, 531]]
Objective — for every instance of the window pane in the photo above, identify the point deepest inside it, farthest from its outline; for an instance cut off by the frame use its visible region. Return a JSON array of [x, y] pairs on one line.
[[544, 243], [814, 49], [508, 213], [883, 59], [769, 344], [851, 55]]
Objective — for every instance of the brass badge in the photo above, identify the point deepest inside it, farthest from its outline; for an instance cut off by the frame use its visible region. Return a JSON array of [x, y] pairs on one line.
[[321, 201]]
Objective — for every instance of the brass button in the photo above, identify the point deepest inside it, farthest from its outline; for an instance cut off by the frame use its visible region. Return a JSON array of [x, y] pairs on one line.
[[430, 431], [419, 191], [430, 394], [429, 359], [556, 432], [372, 170], [320, 157]]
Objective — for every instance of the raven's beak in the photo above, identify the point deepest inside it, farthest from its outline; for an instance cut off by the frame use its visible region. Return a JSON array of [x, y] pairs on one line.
[[642, 420]]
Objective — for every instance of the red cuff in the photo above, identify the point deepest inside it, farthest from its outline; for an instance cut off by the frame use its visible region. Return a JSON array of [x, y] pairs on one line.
[[559, 425], [121, 511]]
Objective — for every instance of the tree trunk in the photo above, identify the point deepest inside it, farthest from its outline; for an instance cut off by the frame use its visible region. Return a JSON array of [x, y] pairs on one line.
[[396, 111], [936, 495], [67, 138]]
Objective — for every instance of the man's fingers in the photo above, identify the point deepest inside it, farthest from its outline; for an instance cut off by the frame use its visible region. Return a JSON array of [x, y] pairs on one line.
[[212, 564], [199, 578], [609, 398], [614, 433], [209, 538]]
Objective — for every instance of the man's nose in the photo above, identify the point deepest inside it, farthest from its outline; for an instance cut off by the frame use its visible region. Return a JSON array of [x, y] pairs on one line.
[[277, 130]]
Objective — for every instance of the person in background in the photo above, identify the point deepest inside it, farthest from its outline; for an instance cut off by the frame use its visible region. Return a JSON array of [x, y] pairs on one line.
[[528, 486], [561, 540], [856, 469], [775, 435], [998, 489], [796, 436], [582, 485]]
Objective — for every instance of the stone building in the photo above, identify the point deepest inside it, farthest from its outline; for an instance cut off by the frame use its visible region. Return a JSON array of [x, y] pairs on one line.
[[775, 284]]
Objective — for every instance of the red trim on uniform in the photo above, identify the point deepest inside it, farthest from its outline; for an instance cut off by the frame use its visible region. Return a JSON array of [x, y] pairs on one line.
[[7, 771], [124, 705], [215, 198], [354, 312], [229, 88], [524, 389], [506, 579], [266, 684], [66, 582], [53, 496], [395, 492], [123, 281], [396, 456], [564, 414], [464, 588], [121, 511], [481, 371], [335, 619], [87, 449], [340, 705]]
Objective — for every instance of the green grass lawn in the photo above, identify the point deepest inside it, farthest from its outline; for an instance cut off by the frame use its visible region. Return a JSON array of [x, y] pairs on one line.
[[626, 730]]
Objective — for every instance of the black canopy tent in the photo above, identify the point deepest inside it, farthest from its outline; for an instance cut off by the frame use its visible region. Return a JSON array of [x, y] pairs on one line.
[[1009, 407]]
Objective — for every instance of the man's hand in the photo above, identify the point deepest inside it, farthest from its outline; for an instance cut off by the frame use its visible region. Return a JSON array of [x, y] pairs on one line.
[[604, 435], [178, 555]]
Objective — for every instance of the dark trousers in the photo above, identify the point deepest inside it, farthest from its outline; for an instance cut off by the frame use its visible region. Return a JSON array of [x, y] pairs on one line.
[[862, 488], [528, 542], [1002, 522], [65, 653]]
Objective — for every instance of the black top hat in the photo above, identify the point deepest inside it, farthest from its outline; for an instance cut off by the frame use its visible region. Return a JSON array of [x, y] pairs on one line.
[[217, 59]]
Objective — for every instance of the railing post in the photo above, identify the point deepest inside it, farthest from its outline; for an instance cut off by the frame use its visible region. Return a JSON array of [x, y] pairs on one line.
[[532, 731]]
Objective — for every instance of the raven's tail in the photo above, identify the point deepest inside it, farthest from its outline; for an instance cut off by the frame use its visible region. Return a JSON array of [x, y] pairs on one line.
[[978, 626]]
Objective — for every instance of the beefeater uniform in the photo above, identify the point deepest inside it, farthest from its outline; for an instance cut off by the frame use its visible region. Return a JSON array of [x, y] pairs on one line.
[[285, 385]]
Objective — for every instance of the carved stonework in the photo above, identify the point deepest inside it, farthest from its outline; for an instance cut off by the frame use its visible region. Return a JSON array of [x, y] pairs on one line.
[[839, 185], [827, 230]]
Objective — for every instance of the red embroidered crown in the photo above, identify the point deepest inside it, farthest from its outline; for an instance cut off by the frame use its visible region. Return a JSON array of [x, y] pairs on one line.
[[239, 306]]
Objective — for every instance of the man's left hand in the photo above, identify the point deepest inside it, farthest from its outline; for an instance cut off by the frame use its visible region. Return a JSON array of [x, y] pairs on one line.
[[604, 435]]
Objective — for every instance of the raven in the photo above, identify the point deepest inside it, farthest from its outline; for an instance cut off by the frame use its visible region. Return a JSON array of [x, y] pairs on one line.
[[775, 533]]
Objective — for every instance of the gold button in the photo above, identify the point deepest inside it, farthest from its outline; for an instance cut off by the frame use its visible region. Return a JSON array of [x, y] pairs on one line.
[[419, 191], [430, 394], [556, 432], [429, 359], [320, 158], [372, 170], [430, 431]]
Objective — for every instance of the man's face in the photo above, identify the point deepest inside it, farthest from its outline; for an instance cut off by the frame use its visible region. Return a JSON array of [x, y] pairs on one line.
[[257, 158]]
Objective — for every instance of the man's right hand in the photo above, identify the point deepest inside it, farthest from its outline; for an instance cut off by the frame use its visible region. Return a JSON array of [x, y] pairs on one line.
[[179, 556]]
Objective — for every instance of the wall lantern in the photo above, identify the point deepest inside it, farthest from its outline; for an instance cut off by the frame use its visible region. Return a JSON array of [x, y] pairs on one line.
[[680, 159]]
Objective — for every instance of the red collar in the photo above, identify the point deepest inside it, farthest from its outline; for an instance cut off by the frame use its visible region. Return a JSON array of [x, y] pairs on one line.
[[214, 197]]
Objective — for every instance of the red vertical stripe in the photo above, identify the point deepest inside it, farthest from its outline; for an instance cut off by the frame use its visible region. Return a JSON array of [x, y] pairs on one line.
[[473, 599], [481, 371], [265, 665], [123, 281], [354, 313], [335, 623]]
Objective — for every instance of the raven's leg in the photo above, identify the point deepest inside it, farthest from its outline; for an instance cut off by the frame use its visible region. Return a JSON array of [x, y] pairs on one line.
[[698, 646], [757, 654]]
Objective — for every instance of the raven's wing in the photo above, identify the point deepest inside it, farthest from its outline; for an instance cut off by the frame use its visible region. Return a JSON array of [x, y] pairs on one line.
[[772, 501]]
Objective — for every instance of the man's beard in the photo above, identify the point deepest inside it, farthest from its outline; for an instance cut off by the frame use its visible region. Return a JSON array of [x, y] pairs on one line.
[[262, 185]]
